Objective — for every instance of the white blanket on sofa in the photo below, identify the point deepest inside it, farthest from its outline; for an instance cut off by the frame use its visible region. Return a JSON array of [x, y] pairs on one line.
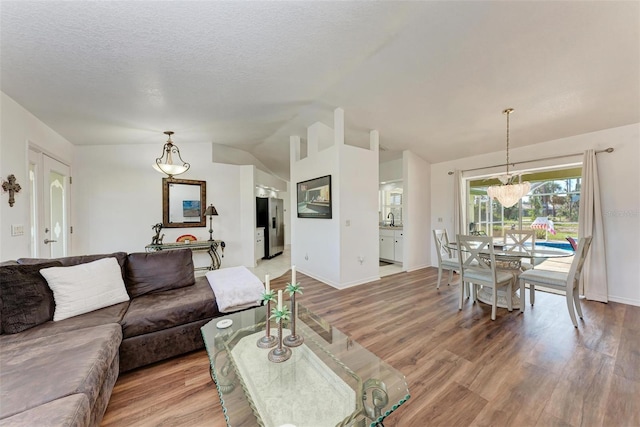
[[235, 288]]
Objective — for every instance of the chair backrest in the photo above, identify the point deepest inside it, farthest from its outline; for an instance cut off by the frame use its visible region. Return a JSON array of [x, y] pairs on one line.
[[441, 239], [473, 230], [478, 249], [584, 243], [520, 239]]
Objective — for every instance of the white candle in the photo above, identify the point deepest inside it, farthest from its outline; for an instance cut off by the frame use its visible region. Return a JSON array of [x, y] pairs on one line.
[[280, 300], [267, 283], [293, 275]]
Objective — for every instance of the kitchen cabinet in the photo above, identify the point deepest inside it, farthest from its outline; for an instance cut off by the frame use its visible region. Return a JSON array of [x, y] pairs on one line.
[[386, 246], [397, 246], [391, 244], [259, 251]]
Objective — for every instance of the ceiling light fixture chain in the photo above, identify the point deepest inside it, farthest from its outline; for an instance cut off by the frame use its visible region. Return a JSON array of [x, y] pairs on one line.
[[508, 194], [508, 112]]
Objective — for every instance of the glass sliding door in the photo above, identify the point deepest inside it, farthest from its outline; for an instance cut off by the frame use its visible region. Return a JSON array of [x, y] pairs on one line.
[[554, 197]]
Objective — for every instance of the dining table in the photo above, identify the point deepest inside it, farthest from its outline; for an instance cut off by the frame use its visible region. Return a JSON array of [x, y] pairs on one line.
[[509, 257]]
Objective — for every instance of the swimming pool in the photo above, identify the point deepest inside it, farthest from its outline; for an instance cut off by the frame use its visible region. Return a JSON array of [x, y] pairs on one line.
[[559, 245]]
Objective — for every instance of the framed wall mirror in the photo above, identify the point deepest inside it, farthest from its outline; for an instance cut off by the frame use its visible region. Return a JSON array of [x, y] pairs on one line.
[[183, 203]]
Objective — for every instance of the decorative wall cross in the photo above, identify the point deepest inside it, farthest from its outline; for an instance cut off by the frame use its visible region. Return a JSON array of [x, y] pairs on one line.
[[12, 187]]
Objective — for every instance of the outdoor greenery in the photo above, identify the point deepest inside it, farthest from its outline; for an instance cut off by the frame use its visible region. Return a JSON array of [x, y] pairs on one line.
[[556, 199], [563, 229]]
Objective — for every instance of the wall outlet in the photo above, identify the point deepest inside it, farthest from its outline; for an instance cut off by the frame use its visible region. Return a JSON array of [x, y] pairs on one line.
[[17, 230], [347, 223], [439, 219], [361, 259]]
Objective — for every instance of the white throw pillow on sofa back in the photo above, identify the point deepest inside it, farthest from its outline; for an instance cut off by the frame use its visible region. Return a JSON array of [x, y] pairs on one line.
[[86, 287]]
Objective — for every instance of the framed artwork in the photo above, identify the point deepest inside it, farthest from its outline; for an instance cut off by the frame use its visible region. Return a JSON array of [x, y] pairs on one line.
[[191, 209], [314, 198]]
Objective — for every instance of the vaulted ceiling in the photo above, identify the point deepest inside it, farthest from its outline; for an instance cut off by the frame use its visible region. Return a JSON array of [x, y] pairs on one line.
[[432, 77]]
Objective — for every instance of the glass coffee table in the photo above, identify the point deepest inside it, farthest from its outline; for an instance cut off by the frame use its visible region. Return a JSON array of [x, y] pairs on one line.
[[330, 380]]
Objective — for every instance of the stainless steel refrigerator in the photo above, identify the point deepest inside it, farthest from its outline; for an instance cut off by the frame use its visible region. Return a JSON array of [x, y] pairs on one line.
[[270, 215]]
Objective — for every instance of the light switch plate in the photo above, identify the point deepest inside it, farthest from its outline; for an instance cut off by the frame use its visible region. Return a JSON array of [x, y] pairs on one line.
[[17, 229]]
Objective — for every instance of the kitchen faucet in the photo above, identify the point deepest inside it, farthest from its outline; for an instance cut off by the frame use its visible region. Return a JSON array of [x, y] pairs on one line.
[[393, 221]]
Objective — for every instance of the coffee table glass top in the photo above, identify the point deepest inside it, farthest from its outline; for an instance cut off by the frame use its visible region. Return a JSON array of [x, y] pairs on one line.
[[330, 380]]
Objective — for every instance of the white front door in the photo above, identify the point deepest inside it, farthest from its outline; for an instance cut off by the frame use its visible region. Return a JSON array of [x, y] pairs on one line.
[[50, 202]]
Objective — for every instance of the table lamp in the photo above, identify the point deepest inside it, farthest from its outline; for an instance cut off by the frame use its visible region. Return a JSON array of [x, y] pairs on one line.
[[210, 211]]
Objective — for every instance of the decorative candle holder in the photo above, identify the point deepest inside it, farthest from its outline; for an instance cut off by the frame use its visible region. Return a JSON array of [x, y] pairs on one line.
[[268, 340], [280, 354], [293, 340]]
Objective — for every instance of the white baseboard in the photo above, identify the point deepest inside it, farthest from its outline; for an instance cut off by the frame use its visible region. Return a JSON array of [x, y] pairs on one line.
[[419, 267], [357, 282], [340, 285], [623, 300]]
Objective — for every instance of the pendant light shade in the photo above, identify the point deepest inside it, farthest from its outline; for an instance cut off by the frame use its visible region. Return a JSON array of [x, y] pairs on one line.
[[509, 193], [171, 163]]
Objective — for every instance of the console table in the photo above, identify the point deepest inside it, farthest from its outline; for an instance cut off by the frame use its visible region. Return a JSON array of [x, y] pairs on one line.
[[211, 246]]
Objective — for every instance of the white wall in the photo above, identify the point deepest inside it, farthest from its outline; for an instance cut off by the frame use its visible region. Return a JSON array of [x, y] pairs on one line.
[[118, 198], [267, 180], [620, 195], [315, 244], [235, 156], [391, 170], [248, 214], [18, 127], [416, 212], [358, 216], [328, 249]]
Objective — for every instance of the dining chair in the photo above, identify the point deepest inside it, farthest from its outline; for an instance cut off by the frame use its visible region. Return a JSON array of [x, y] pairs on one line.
[[572, 242], [559, 280], [478, 270], [445, 259], [522, 240]]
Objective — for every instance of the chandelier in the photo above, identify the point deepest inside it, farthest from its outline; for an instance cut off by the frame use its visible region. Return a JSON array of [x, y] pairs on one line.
[[164, 164], [509, 193]]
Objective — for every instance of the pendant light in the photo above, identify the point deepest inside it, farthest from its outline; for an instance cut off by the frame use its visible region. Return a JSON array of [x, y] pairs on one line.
[[165, 163], [509, 193]]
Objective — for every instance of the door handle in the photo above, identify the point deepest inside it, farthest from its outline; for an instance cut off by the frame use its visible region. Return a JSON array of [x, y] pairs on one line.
[[46, 241]]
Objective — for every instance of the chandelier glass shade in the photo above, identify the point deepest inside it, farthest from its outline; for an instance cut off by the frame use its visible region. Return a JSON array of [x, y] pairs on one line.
[[509, 193], [171, 163]]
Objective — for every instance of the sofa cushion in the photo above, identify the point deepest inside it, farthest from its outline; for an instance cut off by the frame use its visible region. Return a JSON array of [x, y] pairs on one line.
[[70, 411], [25, 299], [85, 287], [69, 261], [158, 271], [103, 316], [163, 310], [38, 371]]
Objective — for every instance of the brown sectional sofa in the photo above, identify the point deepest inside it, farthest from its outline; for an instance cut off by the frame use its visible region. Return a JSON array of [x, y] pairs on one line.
[[62, 373]]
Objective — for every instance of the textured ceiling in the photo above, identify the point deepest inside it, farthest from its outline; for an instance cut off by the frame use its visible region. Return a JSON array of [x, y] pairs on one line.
[[432, 77]]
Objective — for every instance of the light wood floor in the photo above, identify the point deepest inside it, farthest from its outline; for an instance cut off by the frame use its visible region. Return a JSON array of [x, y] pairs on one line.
[[462, 369]]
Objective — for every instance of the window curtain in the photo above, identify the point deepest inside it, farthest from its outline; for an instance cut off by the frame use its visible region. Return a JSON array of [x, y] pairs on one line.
[[594, 281], [458, 204]]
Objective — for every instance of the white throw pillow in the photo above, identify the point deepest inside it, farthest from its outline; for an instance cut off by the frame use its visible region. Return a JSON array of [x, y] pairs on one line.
[[86, 287]]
